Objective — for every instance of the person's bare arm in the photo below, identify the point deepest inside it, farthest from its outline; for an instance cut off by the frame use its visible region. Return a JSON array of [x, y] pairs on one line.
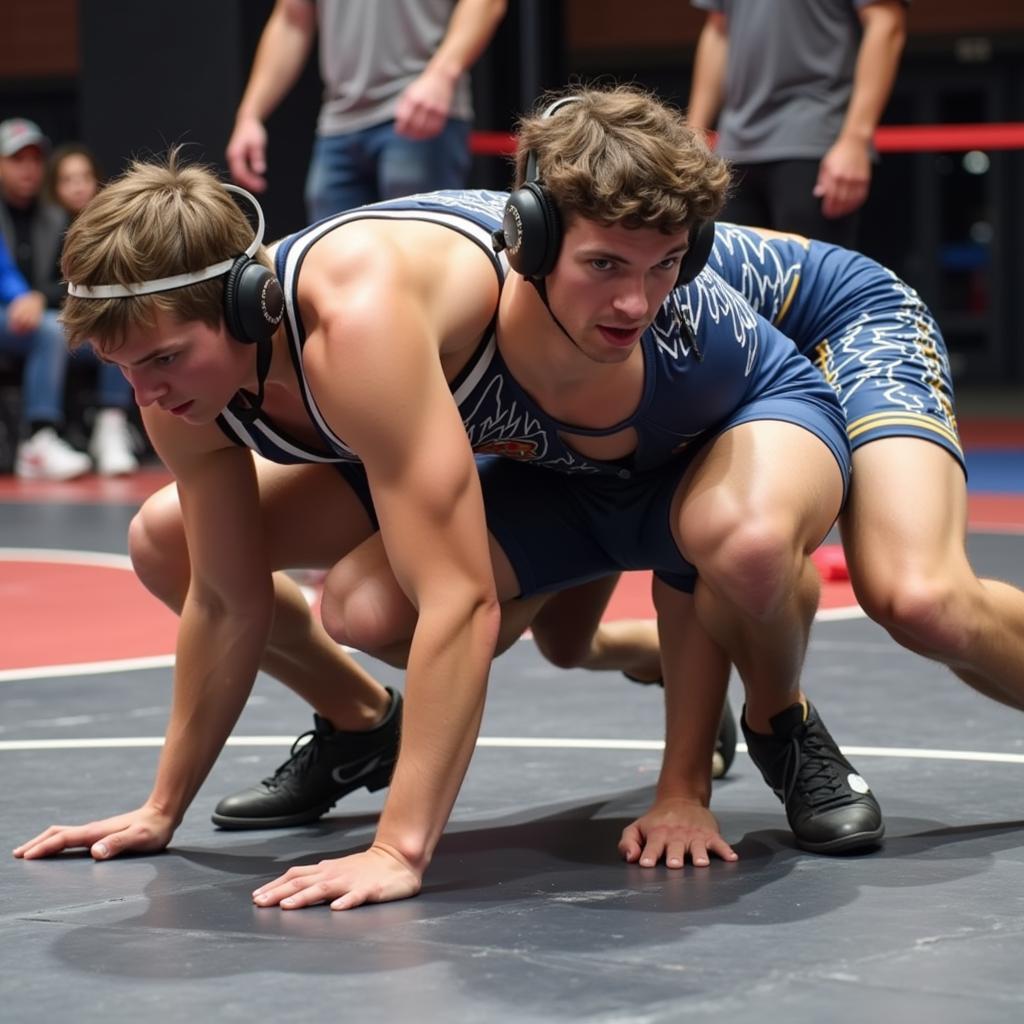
[[424, 106], [707, 88], [280, 57], [679, 824], [224, 626], [374, 367], [845, 173]]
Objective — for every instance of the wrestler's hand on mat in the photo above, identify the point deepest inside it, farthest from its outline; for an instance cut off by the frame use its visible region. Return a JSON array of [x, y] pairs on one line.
[[378, 875], [145, 830], [672, 830]]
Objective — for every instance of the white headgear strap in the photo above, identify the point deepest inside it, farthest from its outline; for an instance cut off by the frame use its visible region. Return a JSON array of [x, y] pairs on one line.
[[166, 284]]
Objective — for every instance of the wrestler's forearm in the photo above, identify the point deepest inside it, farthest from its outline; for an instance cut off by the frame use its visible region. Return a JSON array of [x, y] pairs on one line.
[[218, 654], [444, 700]]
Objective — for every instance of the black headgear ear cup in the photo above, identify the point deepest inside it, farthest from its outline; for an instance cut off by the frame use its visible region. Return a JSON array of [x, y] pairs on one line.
[[702, 241], [531, 227], [532, 230], [253, 301]]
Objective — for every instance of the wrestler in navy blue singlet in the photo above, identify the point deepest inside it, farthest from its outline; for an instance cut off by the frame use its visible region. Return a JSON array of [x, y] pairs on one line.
[[867, 331], [711, 363]]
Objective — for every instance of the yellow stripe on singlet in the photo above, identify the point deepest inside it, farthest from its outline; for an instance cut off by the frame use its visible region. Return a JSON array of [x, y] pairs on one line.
[[902, 419], [788, 301], [822, 359]]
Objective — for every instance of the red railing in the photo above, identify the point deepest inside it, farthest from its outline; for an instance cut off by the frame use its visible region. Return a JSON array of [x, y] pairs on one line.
[[890, 138]]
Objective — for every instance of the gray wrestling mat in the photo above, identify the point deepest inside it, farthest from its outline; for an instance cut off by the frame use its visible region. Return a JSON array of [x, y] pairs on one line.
[[527, 913]]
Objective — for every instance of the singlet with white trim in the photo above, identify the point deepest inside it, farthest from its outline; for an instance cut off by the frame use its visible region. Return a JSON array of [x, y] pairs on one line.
[[706, 354]]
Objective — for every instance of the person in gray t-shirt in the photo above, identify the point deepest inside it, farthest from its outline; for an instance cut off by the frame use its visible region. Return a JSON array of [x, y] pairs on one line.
[[800, 86], [396, 110]]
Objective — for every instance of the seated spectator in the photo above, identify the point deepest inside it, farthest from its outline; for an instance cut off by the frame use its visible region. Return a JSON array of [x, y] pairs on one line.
[[73, 177], [34, 230], [28, 315]]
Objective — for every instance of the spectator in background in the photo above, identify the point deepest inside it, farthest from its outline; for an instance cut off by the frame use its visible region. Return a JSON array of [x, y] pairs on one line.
[[800, 87], [31, 232], [397, 110], [29, 330], [73, 177]]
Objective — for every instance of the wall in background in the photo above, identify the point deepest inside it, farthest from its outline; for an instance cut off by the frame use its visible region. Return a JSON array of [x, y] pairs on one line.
[[131, 77], [674, 24]]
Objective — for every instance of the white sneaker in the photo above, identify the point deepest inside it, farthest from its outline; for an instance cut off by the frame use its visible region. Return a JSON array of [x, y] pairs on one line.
[[47, 456], [111, 444]]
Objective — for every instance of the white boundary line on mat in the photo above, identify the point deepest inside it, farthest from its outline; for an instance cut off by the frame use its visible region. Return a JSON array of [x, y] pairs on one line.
[[514, 742]]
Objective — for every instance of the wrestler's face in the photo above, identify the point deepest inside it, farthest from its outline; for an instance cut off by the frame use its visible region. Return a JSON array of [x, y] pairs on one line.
[[187, 369], [610, 282]]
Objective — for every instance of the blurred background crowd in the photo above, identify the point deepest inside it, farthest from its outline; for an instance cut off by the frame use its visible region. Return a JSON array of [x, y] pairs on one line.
[[905, 122]]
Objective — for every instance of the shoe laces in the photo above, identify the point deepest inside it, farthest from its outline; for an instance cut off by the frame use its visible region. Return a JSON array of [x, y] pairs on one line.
[[812, 766], [303, 756]]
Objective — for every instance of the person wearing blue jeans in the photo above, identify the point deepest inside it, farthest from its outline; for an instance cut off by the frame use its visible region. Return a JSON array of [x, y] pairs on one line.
[[397, 109], [378, 163], [31, 331], [33, 230]]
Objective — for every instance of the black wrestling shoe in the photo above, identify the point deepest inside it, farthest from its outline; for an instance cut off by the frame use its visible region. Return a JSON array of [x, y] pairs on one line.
[[327, 766], [725, 744], [829, 806]]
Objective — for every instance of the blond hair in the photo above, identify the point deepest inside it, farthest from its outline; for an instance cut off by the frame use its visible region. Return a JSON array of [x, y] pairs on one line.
[[155, 221], [621, 156]]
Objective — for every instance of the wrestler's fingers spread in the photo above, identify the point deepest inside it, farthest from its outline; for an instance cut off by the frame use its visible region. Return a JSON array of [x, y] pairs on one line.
[[288, 877], [21, 850], [350, 900], [721, 848], [629, 843], [653, 849], [310, 894], [110, 846], [300, 872], [61, 838], [699, 853], [134, 837], [37, 848], [675, 854], [281, 888]]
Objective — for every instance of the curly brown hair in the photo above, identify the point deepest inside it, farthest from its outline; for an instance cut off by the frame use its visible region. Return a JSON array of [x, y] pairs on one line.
[[620, 155]]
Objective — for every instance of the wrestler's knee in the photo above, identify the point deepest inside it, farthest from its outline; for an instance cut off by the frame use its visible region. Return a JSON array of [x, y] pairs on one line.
[[158, 549], [755, 567], [365, 612], [930, 611]]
